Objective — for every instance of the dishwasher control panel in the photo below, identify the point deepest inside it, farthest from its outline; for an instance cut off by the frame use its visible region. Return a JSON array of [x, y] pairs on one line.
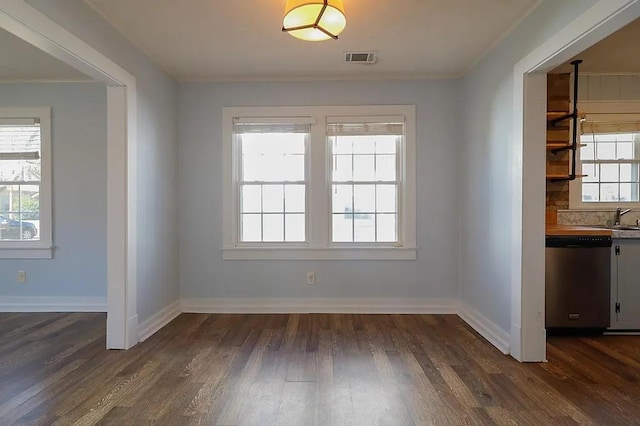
[[570, 241]]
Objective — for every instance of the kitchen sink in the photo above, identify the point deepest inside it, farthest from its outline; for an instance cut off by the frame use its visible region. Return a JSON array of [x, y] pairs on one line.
[[621, 231]]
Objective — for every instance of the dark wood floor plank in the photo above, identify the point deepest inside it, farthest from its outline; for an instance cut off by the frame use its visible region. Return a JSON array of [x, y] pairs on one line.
[[315, 369]]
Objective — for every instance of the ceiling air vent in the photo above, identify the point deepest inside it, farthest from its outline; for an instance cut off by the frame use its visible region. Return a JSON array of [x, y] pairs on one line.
[[361, 57]]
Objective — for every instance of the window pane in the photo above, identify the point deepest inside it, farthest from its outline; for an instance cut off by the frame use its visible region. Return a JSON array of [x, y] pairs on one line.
[[590, 171], [6, 199], [629, 192], [272, 198], [342, 198], [343, 168], [609, 192], [251, 227], [386, 198], [363, 167], [364, 198], [273, 157], [625, 151], [606, 151], [252, 168], [9, 227], [251, 198], [29, 227], [20, 170], [605, 137], [273, 227], [21, 146], [364, 229], [294, 228], [628, 172], [386, 145], [13, 226], [590, 192], [19, 212], [386, 167], [294, 198], [278, 168], [342, 228], [588, 152], [342, 145], [387, 229], [363, 144], [609, 173], [30, 202], [291, 143], [292, 169]]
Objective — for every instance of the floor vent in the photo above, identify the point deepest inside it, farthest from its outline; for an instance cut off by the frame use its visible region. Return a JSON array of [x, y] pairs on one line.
[[360, 57]]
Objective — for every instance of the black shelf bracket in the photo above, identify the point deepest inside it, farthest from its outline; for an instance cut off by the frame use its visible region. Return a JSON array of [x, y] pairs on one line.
[[562, 118], [564, 148]]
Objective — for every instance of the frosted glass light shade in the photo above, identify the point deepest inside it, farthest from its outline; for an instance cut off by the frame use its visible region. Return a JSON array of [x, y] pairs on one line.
[[314, 20]]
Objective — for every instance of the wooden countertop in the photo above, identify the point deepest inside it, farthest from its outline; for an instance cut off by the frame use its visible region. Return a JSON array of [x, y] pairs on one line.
[[575, 230]]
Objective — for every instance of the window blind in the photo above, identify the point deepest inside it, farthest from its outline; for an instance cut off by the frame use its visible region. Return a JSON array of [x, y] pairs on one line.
[[600, 127], [361, 126], [610, 123], [244, 125], [19, 141]]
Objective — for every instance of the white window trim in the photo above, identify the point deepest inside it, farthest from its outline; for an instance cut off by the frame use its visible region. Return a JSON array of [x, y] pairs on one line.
[[319, 246], [610, 108], [41, 249]]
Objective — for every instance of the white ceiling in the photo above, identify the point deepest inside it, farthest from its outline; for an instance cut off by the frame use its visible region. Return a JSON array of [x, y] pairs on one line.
[[618, 53], [242, 39], [20, 61]]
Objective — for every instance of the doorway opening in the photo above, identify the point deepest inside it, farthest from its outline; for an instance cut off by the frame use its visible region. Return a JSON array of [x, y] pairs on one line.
[[528, 160]]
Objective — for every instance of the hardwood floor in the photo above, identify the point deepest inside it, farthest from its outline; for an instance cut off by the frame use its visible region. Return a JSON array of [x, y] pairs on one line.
[[305, 370]]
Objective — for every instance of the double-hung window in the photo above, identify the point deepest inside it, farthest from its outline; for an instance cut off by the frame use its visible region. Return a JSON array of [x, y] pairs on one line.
[[319, 182], [365, 178], [609, 158], [272, 182], [25, 185]]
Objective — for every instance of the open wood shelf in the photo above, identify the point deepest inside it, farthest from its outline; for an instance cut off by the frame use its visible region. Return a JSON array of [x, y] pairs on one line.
[[554, 115], [561, 146], [563, 177]]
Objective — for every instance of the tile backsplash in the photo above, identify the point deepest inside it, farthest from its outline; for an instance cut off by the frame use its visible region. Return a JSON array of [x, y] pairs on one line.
[[596, 217]]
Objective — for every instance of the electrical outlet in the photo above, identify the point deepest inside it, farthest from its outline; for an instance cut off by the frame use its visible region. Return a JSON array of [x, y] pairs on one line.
[[21, 277], [311, 278]]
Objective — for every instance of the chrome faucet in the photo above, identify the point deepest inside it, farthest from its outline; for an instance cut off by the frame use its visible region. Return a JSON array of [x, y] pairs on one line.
[[619, 214]]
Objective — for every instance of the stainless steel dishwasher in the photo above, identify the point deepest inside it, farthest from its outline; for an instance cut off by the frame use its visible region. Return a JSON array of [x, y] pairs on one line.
[[578, 282]]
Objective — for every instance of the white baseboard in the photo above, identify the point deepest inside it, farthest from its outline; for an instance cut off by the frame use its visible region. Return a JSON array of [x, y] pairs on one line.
[[154, 323], [487, 328], [321, 305], [52, 304]]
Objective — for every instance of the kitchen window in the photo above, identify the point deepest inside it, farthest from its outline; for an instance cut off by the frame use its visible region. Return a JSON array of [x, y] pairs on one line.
[[610, 162], [319, 182], [609, 158], [25, 183]]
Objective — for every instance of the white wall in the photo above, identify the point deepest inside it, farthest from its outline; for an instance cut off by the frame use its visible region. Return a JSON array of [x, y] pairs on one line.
[[203, 273], [157, 154], [79, 167], [608, 88], [487, 108]]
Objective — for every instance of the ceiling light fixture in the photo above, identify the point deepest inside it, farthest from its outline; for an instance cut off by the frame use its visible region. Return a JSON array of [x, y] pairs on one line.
[[314, 20]]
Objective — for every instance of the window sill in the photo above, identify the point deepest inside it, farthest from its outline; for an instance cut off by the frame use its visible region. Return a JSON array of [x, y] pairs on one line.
[[601, 206], [336, 253], [15, 251]]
